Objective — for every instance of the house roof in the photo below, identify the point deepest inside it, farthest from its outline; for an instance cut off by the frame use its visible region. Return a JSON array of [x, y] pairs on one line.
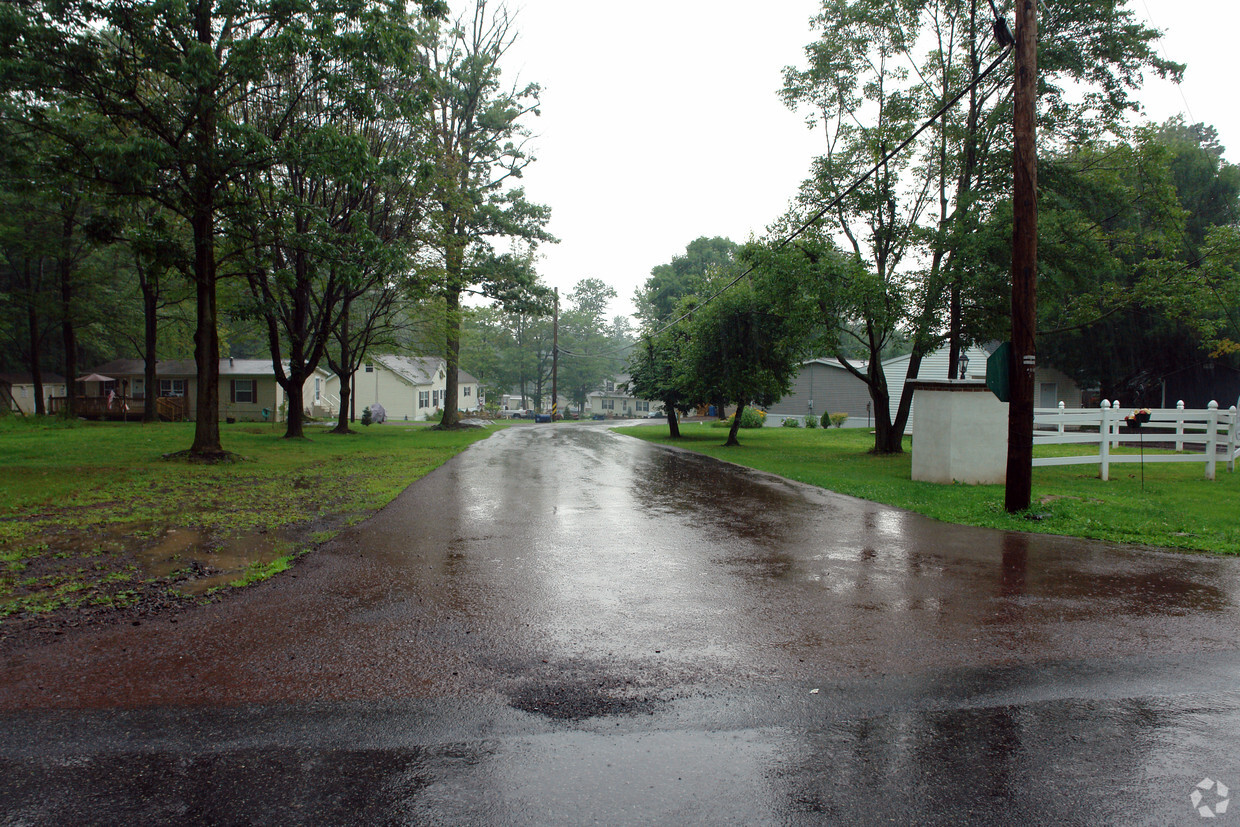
[[187, 367], [859, 364], [27, 379], [419, 370]]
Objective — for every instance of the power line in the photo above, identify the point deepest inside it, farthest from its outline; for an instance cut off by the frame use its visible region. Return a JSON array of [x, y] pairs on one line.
[[817, 216], [1178, 86]]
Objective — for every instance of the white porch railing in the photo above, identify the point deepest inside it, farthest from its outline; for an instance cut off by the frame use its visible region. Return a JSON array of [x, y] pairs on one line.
[[1197, 435]]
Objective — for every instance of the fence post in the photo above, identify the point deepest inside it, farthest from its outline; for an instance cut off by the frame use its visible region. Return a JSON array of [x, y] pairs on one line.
[[1061, 409], [1113, 430], [1104, 441], [1211, 438], [1179, 425], [1233, 440]]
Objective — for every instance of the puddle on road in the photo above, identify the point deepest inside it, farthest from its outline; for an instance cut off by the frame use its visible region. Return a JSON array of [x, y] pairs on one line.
[[208, 565]]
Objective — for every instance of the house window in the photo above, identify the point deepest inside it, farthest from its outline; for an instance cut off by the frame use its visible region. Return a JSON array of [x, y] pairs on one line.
[[242, 390], [139, 389], [465, 389], [608, 405], [25, 391], [424, 399], [438, 397], [642, 406], [318, 389], [370, 368], [172, 387]]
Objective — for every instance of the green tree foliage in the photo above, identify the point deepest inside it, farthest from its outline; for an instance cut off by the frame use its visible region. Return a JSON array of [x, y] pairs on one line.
[[683, 276], [1134, 233], [660, 368], [591, 349], [57, 268], [174, 78], [878, 70], [743, 349], [336, 213], [476, 140]]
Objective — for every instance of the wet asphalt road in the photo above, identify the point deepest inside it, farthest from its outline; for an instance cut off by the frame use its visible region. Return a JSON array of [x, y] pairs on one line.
[[564, 626]]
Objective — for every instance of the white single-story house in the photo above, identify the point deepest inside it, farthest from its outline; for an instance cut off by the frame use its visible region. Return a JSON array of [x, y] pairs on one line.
[[247, 388], [826, 386], [1050, 385], [409, 388], [20, 387], [614, 399]]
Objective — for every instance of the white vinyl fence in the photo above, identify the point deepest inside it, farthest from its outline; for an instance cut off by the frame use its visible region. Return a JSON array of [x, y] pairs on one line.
[[1206, 436]]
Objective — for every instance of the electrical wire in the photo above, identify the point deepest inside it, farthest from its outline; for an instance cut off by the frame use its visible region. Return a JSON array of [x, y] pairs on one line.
[[817, 216]]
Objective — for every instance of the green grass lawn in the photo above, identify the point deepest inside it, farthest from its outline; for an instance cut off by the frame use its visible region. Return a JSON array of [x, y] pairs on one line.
[[1178, 508], [79, 500]]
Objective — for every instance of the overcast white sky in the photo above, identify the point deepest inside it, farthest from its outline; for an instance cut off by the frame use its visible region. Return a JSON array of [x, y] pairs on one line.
[[660, 120]]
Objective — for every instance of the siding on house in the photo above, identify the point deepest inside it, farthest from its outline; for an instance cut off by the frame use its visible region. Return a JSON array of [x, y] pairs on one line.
[[1049, 385], [825, 386], [408, 387], [179, 377], [614, 399]]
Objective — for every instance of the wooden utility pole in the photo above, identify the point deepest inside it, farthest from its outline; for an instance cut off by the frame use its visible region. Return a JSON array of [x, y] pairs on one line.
[[555, 356], [1024, 261]]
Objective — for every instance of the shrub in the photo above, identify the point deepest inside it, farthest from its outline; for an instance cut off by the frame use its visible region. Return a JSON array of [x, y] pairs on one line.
[[825, 420], [366, 415], [752, 418], [791, 422], [838, 419], [811, 422]]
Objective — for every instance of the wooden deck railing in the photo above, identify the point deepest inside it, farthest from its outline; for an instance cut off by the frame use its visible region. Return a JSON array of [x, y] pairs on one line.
[[169, 408]]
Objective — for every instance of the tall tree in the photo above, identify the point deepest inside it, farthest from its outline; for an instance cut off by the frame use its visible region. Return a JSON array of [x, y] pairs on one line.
[[745, 350], [477, 139], [683, 276], [1132, 291], [318, 223], [172, 77], [590, 348], [878, 70], [660, 368]]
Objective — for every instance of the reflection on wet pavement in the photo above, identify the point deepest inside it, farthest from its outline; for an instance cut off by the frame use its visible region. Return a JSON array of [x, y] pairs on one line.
[[571, 582]]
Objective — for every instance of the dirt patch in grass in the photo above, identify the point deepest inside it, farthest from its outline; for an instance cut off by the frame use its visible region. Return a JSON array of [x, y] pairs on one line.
[[131, 571], [97, 528]]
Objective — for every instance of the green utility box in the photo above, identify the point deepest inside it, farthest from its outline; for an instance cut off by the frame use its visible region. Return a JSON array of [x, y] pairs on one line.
[[999, 372]]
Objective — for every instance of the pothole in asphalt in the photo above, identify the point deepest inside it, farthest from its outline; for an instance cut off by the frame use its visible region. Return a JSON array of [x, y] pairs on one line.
[[578, 700]]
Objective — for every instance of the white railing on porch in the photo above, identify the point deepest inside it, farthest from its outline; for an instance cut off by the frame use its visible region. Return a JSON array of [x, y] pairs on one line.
[[1197, 435]]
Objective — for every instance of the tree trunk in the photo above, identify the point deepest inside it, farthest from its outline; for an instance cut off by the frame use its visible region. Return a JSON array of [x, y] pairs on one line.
[[673, 425], [68, 334], [206, 339], [36, 355], [342, 370], [342, 418], [736, 426], [887, 440], [453, 358], [294, 391], [206, 333], [150, 411]]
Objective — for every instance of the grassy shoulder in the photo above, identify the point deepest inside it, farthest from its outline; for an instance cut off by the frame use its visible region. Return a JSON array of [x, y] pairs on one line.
[[95, 519], [1178, 508]]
